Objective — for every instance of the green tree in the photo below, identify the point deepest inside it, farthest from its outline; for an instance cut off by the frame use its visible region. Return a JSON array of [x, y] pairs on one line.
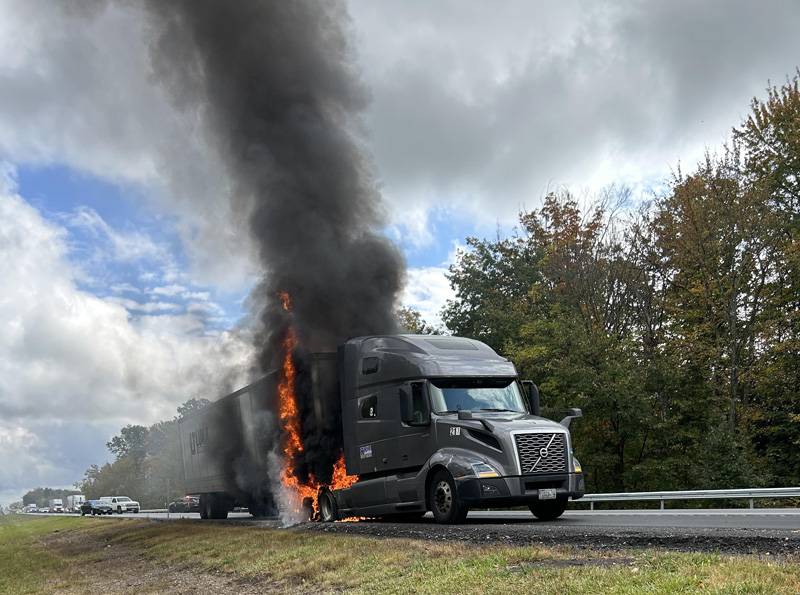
[[410, 321], [131, 442]]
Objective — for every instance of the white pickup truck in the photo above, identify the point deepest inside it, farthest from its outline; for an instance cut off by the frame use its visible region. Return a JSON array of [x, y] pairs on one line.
[[121, 504]]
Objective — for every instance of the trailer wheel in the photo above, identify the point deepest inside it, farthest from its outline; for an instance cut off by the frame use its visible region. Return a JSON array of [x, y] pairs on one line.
[[548, 510], [205, 507], [443, 498], [328, 510], [219, 506]]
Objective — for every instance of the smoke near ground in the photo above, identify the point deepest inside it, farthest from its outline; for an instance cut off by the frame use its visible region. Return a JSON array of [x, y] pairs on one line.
[[276, 87]]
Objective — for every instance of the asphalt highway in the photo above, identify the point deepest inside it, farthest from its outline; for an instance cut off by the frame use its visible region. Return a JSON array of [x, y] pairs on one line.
[[737, 518], [765, 531]]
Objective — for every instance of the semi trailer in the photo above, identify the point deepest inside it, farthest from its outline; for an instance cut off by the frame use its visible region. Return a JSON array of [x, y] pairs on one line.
[[427, 423]]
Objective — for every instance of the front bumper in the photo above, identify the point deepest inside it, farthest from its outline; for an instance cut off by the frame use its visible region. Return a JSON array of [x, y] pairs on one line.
[[517, 490]]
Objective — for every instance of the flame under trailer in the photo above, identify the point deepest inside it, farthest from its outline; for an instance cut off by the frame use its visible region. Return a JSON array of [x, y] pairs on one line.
[[428, 423]]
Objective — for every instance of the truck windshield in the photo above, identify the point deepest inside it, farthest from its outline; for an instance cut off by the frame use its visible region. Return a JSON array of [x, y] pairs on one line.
[[476, 394]]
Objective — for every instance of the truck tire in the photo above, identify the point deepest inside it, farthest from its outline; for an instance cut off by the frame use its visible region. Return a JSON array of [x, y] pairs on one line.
[[205, 508], [447, 507], [172, 508], [548, 510], [218, 506], [328, 510]]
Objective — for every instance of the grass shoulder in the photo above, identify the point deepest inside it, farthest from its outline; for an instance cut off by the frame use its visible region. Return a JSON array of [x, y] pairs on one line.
[[74, 554]]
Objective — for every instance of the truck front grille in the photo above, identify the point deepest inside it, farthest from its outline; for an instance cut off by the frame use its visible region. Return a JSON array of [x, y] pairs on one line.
[[542, 453]]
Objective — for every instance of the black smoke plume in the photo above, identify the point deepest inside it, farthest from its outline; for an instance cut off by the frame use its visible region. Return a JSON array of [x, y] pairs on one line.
[[278, 91]]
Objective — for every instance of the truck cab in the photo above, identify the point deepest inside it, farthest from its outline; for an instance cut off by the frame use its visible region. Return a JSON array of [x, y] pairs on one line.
[[445, 424], [56, 505]]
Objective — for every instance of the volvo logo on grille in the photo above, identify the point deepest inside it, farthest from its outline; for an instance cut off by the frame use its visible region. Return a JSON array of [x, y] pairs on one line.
[[542, 454]]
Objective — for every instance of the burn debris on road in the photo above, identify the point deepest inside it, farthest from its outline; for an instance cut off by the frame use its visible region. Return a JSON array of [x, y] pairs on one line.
[[722, 540]]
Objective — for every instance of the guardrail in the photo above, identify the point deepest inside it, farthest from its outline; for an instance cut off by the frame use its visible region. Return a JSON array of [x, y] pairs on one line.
[[745, 493]]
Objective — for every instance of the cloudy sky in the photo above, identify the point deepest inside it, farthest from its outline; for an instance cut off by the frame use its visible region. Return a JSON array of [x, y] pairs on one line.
[[123, 273]]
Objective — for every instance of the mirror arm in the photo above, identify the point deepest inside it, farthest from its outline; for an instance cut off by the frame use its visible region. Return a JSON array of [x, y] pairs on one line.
[[573, 413]]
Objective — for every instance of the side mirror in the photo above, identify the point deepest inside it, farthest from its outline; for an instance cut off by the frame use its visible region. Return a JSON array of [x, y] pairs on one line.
[[414, 409], [573, 413], [533, 396]]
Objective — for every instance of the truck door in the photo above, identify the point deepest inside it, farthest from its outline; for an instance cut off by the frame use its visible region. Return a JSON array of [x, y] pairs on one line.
[[414, 430], [375, 432]]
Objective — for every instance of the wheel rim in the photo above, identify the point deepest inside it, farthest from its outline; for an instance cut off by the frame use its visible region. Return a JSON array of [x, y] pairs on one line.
[[443, 497]]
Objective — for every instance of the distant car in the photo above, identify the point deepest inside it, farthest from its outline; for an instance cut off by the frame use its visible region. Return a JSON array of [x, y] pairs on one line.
[[94, 507], [185, 504], [121, 504], [45, 509]]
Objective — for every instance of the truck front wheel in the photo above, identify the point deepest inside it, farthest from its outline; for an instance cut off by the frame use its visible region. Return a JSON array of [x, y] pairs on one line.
[[443, 499], [548, 510]]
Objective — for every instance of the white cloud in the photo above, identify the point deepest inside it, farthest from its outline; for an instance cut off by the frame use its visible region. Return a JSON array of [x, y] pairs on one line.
[[123, 246], [71, 360], [168, 290], [124, 288], [147, 307], [201, 296], [427, 290]]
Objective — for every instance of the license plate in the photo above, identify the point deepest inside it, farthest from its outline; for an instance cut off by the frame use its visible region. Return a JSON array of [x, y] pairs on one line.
[[547, 494]]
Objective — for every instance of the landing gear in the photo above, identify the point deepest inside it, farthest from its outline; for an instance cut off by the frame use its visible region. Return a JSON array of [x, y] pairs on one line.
[[443, 499]]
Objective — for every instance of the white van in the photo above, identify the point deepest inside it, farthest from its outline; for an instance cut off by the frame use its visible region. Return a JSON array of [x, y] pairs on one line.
[[121, 504]]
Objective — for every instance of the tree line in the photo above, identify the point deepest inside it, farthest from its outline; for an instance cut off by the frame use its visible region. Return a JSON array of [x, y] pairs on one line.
[[674, 324]]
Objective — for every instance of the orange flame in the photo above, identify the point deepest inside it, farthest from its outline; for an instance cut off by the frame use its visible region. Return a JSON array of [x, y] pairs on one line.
[[290, 421], [286, 301]]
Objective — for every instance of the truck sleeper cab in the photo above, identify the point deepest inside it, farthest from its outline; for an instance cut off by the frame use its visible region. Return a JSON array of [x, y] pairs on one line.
[[444, 424]]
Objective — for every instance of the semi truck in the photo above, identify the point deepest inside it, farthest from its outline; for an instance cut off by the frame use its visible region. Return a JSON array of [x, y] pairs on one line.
[[74, 502], [427, 423]]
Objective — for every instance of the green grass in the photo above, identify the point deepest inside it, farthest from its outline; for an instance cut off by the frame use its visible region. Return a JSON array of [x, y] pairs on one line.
[[26, 565], [303, 560]]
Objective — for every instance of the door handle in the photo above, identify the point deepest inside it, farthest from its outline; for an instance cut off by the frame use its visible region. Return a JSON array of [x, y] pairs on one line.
[[404, 457], [384, 460]]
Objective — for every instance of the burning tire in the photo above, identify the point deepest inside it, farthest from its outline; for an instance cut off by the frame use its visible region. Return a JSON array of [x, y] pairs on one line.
[[444, 501], [328, 510]]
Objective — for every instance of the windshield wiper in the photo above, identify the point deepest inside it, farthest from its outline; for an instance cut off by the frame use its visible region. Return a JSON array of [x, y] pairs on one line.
[[499, 410]]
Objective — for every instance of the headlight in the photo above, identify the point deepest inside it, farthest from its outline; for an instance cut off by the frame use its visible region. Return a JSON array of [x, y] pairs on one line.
[[576, 465], [484, 470]]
